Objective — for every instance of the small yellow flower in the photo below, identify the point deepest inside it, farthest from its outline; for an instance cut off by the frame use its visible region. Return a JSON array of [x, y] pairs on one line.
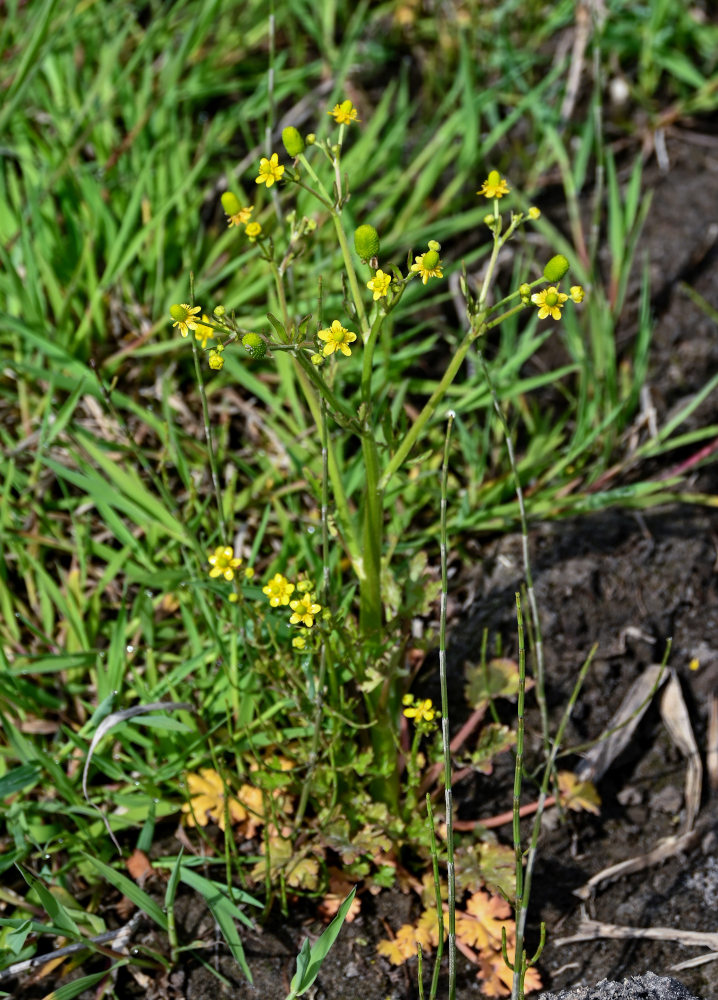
[[577, 293], [223, 563], [299, 642], [241, 217], [344, 113], [202, 332], [534, 213], [420, 710], [253, 230], [249, 573], [428, 265], [278, 590], [337, 338], [304, 611], [379, 284], [269, 170], [207, 792], [184, 317], [494, 186], [550, 302], [216, 361]]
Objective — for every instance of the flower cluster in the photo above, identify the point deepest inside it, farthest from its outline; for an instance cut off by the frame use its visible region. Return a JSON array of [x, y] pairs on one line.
[[304, 609]]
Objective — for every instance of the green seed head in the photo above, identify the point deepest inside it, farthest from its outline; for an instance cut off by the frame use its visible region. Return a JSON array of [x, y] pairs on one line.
[[366, 242], [293, 142], [230, 203], [556, 268], [178, 312], [254, 345], [431, 259]]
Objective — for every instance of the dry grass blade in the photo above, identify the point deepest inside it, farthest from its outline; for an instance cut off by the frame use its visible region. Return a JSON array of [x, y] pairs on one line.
[[675, 716], [712, 750], [664, 849], [112, 720], [590, 929], [600, 757]]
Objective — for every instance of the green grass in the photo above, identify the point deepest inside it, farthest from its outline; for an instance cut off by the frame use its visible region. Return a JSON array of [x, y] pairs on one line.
[[120, 128]]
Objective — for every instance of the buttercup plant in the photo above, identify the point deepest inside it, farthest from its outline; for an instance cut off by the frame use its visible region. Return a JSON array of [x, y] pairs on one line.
[[351, 337], [329, 636]]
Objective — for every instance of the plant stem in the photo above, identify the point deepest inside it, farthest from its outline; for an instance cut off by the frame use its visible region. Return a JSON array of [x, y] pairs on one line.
[[533, 605], [448, 798], [519, 971]]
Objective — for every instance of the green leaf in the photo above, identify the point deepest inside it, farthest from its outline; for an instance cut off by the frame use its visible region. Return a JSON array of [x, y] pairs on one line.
[[309, 960], [128, 888], [17, 779], [224, 911], [78, 986], [53, 907]]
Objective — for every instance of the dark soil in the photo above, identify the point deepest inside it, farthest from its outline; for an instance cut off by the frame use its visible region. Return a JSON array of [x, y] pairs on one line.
[[626, 582]]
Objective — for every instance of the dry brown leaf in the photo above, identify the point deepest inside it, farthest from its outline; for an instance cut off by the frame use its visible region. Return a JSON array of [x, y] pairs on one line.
[[578, 795], [496, 977], [480, 926], [139, 867]]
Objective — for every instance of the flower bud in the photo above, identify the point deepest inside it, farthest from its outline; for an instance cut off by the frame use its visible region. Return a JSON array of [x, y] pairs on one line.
[[230, 203], [366, 242], [293, 142], [433, 245], [577, 293], [525, 293], [556, 268], [254, 345], [219, 311], [310, 138]]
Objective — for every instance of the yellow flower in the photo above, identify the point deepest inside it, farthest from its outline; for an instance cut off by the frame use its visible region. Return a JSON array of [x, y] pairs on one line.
[[207, 792], [278, 590], [337, 338], [299, 642], [379, 284], [253, 230], [223, 563], [494, 186], [202, 332], [420, 710], [241, 217], [428, 265], [577, 293], [344, 113], [550, 302], [216, 361], [184, 317], [269, 170], [304, 611]]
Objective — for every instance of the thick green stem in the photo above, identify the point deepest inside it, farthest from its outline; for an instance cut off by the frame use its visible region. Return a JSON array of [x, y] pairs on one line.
[[429, 408], [370, 607]]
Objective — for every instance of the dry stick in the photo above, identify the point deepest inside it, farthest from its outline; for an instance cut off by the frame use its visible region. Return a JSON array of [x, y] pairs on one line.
[[450, 871]]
